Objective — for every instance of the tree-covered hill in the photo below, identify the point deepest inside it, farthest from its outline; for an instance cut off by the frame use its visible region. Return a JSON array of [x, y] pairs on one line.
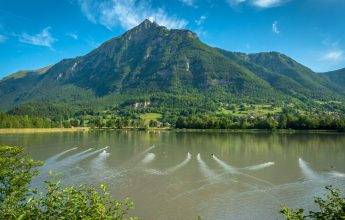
[[288, 76], [171, 68], [337, 76]]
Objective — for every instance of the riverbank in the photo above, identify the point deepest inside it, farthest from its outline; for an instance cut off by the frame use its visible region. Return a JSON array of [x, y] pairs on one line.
[[220, 130], [41, 130], [259, 131], [85, 129]]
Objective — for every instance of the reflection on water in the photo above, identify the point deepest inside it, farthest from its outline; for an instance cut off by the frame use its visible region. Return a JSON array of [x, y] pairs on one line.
[[216, 175]]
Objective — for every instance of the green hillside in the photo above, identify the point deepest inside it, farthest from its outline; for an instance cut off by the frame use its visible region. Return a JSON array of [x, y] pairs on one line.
[[337, 76], [172, 70]]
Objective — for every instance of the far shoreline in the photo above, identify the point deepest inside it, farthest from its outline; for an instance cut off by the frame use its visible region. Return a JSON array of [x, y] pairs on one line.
[[41, 130], [283, 131], [87, 129]]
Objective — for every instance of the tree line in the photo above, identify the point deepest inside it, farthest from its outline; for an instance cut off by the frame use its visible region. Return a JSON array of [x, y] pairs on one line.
[[283, 121], [25, 121]]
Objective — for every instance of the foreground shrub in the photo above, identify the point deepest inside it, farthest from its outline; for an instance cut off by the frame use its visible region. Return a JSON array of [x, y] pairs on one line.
[[330, 208], [17, 201]]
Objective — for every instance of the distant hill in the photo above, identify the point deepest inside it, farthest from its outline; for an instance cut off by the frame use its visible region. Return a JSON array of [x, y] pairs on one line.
[[170, 67], [337, 76]]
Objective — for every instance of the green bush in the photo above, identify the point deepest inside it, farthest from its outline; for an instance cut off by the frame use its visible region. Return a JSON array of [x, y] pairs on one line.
[[17, 201], [330, 208]]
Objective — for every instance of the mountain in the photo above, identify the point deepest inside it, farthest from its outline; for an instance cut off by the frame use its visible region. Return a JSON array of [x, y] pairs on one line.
[[337, 76], [18, 84], [151, 62], [287, 75]]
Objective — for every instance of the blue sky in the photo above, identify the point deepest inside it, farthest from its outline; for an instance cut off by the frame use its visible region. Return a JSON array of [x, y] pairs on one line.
[[37, 33]]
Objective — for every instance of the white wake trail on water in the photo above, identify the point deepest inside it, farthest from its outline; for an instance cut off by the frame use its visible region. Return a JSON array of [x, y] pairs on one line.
[[307, 171], [226, 167], [259, 166], [56, 165], [67, 165], [99, 162], [180, 165], [100, 170], [172, 169], [137, 160], [72, 160], [206, 171], [57, 156], [77, 155], [235, 171], [145, 151], [148, 158], [337, 174]]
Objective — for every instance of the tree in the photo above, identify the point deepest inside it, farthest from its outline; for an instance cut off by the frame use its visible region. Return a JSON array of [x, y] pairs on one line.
[[74, 123], [66, 124], [181, 122], [16, 173], [153, 123], [330, 208], [282, 121], [110, 123], [17, 201], [243, 123], [98, 122], [118, 123]]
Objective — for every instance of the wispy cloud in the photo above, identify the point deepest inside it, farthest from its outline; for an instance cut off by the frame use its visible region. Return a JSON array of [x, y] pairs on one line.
[[334, 52], [3, 38], [127, 13], [334, 55], [200, 20], [267, 3], [188, 2], [234, 3], [72, 35], [41, 39], [275, 27], [328, 42], [257, 3]]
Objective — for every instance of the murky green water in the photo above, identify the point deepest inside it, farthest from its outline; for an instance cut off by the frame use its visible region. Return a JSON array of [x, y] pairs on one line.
[[180, 175]]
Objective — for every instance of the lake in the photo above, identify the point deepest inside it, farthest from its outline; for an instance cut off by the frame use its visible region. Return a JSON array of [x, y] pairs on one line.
[[180, 175]]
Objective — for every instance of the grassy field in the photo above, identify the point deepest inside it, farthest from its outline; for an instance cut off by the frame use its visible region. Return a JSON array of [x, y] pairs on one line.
[[40, 130], [250, 110], [150, 116]]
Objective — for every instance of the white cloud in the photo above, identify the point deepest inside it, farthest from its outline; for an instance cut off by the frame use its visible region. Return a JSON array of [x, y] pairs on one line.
[[127, 13], [334, 50], [267, 3], [72, 35], [200, 20], [275, 27], [3, 38], [257, 3], [234, 3], [334, 55], [328, 42], [188, 2], [41, 39]]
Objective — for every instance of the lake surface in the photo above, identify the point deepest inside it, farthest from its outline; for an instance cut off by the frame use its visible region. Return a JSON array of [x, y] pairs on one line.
[[180, 175]]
